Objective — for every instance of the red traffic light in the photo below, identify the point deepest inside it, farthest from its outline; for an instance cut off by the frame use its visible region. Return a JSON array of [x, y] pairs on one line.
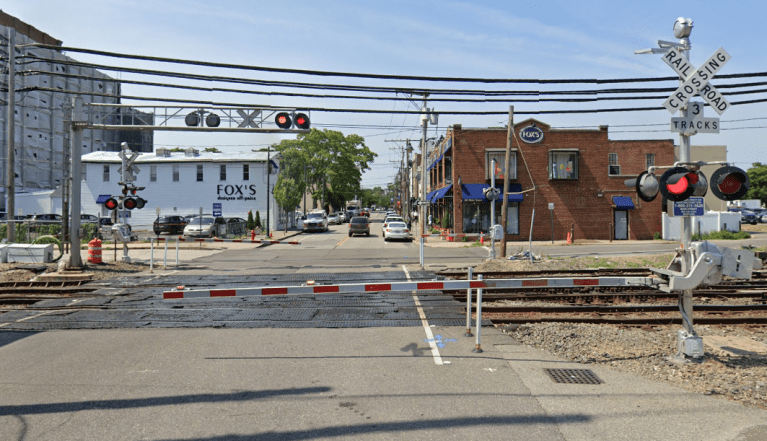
[[678, 184], [730, 183], [283, 120], [111, 204], [130, 203], [302, 121]]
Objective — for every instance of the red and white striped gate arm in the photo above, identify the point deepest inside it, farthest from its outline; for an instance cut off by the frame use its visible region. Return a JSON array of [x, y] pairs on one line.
[[182, 239], [413, 286]]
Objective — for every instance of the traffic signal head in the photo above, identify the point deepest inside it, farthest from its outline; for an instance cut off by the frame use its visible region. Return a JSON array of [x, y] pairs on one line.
[[283, 120], [729, 183], [679, 183], [140, 203], [111, 204], [646, 185], [302, 121]]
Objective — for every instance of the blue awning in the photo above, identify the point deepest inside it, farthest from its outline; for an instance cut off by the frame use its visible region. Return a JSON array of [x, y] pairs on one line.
[[473, 192], [430, 194], [623, 203], [436, 161], [439, 194], [103, 198]]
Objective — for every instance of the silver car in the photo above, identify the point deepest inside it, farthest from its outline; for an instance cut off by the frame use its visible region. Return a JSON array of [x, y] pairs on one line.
[[206, 226], [396, 230]]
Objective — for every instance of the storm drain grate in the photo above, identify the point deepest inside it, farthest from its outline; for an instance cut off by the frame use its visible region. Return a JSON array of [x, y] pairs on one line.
[[573, 376]]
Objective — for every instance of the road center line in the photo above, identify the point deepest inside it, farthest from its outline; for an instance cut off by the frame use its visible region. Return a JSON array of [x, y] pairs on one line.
[[425, 323]]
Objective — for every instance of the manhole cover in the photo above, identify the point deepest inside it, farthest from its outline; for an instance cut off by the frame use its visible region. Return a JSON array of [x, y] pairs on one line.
[[573, 376]]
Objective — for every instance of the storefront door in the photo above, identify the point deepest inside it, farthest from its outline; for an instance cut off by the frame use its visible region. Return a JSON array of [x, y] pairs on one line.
[[621, 224]]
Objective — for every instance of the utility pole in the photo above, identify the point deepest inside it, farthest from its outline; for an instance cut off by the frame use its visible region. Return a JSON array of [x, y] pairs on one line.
[[423, 211], [77, 123], [268, 173], [505, 205], [10, 174]]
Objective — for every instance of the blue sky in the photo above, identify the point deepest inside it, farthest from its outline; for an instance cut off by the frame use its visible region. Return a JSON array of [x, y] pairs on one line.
[[520, 39]]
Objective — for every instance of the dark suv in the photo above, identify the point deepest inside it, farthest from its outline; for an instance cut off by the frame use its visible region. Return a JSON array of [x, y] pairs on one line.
[[359, 225], [748, 217], [169, 224]]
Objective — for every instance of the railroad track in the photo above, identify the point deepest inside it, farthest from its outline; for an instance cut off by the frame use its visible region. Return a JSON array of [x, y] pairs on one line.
[[627, 315]]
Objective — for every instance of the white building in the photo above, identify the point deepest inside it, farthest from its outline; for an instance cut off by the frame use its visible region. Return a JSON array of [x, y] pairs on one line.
[[179, 183]]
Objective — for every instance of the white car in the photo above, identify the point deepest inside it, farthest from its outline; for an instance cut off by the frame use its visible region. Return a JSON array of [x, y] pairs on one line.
[[396, 230], [392, 219], [333, 219], [316, 221], [206, 226]]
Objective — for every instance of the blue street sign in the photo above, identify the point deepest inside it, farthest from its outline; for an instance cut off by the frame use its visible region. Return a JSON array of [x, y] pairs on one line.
[[690, 207], [216, 209]]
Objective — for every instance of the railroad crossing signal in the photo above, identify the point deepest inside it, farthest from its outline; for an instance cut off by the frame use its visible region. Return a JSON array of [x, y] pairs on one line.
[[679, 183], [696, 80], [285, 120], [730, 183], [646, 186]]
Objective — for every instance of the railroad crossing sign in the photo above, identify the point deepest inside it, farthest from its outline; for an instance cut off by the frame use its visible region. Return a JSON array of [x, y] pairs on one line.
[[248, 119], [127, 162], [696, 80], [695, 122]]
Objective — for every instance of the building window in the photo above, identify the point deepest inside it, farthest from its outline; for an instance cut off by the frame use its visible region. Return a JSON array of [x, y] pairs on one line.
[[222, 173], [613, 168], [500, 157], [199, 173], [563, 164], [476, 216], [153, 173], [175, 173], [246, 172], [106, 173], [650, 160]]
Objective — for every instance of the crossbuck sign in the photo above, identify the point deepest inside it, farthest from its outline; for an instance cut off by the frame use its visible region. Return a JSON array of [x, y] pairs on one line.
[[696, 80]]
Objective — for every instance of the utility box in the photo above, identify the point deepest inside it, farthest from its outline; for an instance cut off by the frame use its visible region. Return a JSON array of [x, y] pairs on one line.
[[497, 232], [30, 253]]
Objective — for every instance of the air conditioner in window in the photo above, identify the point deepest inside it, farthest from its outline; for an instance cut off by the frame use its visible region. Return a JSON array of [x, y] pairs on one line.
[[614, 170]]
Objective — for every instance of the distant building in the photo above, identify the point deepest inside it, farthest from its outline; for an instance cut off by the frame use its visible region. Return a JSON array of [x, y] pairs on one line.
[[180, 183], [580, 174], [41, 133]]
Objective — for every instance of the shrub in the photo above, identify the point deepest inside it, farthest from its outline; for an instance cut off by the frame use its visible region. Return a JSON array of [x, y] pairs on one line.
[[722, 235], [250, 224], [446, 220], [657, 236], [258, 220]]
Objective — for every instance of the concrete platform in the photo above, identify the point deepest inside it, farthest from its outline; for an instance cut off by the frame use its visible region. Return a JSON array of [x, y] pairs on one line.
[[368, 383]]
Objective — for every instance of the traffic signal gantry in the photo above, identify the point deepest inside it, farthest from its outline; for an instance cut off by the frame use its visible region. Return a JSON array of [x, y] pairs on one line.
[[683, 180]]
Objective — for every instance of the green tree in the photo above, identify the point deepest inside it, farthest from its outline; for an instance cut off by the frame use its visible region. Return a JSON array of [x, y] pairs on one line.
[[250, 224], [333, 163], [258, 220], [757, 176]]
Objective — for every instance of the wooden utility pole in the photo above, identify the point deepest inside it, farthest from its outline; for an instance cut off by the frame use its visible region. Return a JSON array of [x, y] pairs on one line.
[[505, 206]]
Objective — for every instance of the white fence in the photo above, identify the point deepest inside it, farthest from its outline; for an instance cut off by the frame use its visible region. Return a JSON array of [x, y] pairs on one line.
[[711, 222]]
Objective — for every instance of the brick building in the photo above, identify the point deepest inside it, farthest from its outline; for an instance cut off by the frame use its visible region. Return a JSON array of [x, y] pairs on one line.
[[581, 172]]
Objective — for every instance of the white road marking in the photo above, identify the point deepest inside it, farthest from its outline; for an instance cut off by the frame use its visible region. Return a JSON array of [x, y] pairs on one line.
[[425, 324], [25, 318]]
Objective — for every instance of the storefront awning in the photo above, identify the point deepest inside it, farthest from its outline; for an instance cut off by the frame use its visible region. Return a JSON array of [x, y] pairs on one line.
[[439, 194], [473, 192], [102, 198], [623, 203]]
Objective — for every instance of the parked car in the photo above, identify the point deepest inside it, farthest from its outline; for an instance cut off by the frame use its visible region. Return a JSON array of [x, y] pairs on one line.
[[390, 219], [342, 216], [88, 218], [396, 230], [206, 226], [236, 225], [748, 217], [359, 225], [169, 224], [333, 219], [51, 218], [316, 221]]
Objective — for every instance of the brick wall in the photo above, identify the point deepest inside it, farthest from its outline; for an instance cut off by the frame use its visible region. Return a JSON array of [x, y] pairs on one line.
[[583, 205]]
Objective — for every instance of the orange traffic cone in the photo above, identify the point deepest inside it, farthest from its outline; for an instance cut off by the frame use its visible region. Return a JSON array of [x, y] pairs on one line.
[[569, 239]]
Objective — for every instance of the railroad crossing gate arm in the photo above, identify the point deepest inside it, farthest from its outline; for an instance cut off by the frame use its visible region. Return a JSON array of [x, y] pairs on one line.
[[710, 264]]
